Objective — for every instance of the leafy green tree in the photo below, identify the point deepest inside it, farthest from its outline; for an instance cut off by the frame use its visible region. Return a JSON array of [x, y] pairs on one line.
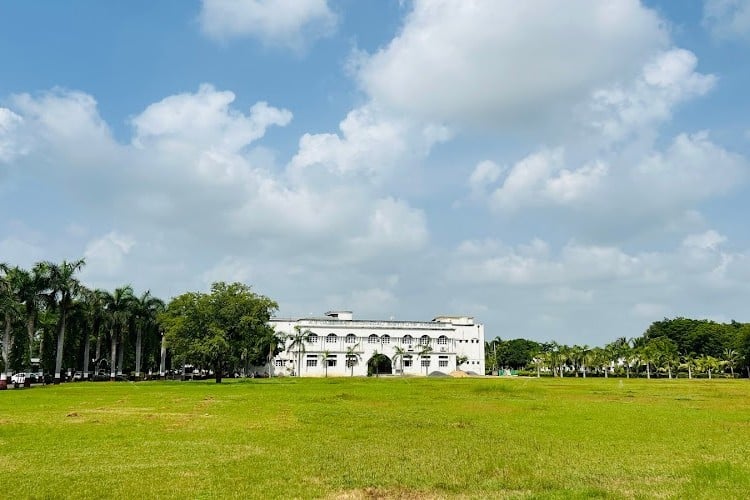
[[213, 329]]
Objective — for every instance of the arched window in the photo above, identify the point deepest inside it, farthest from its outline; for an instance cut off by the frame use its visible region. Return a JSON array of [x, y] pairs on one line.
[[312, 338], [424, 340], [351, 338], [442, 340], [331, 338], [385, 339], [373, 339], [408, 340]]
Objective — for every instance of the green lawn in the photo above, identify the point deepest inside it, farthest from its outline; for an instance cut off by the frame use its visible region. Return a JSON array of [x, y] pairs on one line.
[[372, 438]]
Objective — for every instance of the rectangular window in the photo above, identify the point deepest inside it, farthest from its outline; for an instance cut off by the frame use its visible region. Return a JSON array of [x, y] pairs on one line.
[[408, 363], [312, 363], [443, 363], [279, 363], [331, 362], [425, 362], [351, 362]]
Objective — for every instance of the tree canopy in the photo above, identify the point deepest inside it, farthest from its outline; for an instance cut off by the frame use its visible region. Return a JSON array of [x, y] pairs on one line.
[[221, 330]]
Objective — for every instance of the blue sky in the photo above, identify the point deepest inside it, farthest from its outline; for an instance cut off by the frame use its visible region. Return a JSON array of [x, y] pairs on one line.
[[559, 171]]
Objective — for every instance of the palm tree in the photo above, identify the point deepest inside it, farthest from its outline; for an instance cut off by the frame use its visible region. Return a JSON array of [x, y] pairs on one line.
[[144, 309], [688, 361], [32, 286], [297, 344], [708, 364], [93, 302], [352, 356], [10, 310], [324, 358], [64, 288], [424, 350], [730, 359], [273, 340], [398, 355], [117, 307]]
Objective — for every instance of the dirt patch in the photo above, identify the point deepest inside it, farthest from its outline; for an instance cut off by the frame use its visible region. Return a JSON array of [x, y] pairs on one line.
[[384, 494]]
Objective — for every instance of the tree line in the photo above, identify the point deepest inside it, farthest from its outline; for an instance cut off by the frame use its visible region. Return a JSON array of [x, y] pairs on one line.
[[667, 348], [49, 315]]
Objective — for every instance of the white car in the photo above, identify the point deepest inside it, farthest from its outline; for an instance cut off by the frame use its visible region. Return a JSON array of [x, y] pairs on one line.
[[18, 378]]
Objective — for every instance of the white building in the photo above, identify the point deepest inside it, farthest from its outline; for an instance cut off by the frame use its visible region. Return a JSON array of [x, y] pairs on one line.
[[338, 345]]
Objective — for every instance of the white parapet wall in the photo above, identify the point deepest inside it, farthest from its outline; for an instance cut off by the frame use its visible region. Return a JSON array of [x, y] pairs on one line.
[[338, 345]]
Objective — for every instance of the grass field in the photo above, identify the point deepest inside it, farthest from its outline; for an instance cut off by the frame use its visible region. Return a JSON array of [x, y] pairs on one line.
[[387, 437]]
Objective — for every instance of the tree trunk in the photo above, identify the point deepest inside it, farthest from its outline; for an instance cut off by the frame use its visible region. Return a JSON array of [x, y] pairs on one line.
[[163, 358], [690, 373], [669, 370], [584, 371], [30, 327], [120, 356], [5, 375], [113, 356], [648, 371], [731, 370], [138, 354], [60, 342], [709, 374], [628, 371], [98, 345], [86, 349], [217, 371]]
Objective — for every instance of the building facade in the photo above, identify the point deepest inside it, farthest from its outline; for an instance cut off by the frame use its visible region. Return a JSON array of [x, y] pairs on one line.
[[339, 345]]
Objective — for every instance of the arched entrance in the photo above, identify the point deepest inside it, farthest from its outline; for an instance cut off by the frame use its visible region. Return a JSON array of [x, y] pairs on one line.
[[379, 364]]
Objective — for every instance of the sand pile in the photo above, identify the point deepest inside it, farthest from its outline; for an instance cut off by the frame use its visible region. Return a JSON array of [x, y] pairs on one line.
[[458, 373]]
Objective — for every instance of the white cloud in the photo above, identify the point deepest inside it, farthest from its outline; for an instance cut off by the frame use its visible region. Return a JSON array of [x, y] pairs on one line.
[[727, 19], [290, 23], [618, 112], [105, 256], [9, 121], [371, 143], [504, 63], [541, 179], [204, 120]]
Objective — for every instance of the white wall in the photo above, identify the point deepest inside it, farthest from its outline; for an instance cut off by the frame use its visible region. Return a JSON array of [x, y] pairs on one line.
[[449, 337]]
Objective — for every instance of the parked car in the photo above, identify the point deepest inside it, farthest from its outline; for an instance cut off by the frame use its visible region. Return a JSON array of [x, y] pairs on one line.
[[18, 378], [77, 376]]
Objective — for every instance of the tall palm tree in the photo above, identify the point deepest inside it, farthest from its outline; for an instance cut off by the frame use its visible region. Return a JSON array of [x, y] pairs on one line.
[[117, 307], [324, 358], [271, 341], [398, 355], [94, 304], [730, 359], [32, 286], [9, 311], [298, 340], [424, 350], [352, 356], [144, 311], [64, 289]]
